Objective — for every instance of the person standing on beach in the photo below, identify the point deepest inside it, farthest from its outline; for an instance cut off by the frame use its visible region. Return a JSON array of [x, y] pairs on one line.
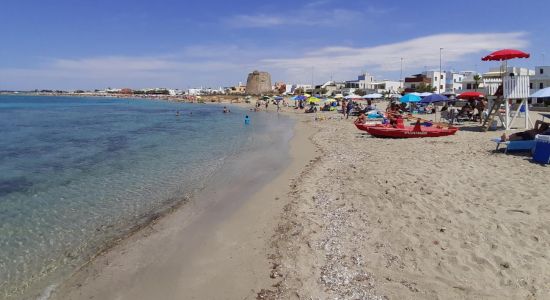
[[266, 104], [344, 107]]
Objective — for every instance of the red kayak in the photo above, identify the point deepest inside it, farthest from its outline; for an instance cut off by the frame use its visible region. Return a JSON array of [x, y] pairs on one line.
[[401, 131]]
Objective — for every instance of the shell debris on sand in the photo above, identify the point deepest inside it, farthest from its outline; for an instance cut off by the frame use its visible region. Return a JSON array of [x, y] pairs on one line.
[[443, 218]]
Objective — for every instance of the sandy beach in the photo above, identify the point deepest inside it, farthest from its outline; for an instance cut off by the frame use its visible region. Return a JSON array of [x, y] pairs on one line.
[[443, 218], [351, 217]]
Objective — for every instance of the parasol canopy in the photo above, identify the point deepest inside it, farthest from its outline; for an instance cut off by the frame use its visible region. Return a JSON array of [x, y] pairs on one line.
[[505, 54], [434, 98], [313, 100], [470, 95], [373, 96], [410, 98]]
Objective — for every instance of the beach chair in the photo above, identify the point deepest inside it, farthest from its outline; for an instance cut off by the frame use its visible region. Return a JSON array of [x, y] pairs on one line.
[[515, 145]]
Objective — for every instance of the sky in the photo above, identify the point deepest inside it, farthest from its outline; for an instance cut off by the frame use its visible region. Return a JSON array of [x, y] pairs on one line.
[[84, 44]]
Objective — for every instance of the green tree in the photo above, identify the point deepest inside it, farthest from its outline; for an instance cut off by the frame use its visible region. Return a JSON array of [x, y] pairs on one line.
[[422, 88], [477, 79]]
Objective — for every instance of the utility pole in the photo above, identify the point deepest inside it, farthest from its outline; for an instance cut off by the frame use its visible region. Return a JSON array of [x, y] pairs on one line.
[[439, 85], [401, 74]]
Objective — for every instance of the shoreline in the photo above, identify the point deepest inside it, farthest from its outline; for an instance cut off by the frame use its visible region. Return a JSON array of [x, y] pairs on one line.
[[215, 222]]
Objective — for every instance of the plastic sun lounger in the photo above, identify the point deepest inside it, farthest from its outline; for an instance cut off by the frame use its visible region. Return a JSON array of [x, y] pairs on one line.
[[515, 145]]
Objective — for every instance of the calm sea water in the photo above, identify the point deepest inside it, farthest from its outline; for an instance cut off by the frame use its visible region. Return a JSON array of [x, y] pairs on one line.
[[77, 173]]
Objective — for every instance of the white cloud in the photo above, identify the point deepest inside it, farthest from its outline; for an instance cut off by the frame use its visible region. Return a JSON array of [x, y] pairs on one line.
[[309, 17], [417, 53], [224, 64]]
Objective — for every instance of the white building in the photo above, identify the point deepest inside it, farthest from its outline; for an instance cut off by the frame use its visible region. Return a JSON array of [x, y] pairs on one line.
[[469, 84], [303, 87], [539, 81], [453, 83], [363, 82], [386, 86], [439, 80]]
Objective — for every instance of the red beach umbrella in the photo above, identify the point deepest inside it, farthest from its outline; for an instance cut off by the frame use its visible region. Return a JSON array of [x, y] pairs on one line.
[[505, 54], [470, 95]]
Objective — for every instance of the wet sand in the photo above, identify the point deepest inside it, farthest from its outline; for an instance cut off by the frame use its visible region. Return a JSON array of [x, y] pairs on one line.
[[214, 251]]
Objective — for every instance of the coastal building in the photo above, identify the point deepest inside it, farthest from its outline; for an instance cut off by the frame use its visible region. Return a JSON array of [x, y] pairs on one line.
[[439, 80], [412, 83], [386, 86], [363, 82], [469, 82], [300, 88], [205, 91], [329, 88], [369, 84], [239, 89], [258, 83], [539, 81], [453, 83]]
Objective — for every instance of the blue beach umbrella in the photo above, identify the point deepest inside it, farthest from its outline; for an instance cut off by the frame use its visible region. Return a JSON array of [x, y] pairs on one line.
[[410, 98], [278, 98], [434, 98]]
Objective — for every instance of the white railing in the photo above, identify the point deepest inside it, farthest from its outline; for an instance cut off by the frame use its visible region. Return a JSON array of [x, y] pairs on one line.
[[491, 85], [516, 87]]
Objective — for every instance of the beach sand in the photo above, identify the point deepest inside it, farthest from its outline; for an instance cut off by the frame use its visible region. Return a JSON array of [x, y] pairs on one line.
[[214, 252], [352, 217], [442, 218]]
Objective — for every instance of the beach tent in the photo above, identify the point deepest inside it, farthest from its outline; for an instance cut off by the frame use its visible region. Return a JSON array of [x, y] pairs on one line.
[[339, 96], [410, 98], [544, 93], [373, 96]]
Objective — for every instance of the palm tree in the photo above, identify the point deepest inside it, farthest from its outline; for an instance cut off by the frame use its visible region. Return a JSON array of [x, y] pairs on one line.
[[477, 79]]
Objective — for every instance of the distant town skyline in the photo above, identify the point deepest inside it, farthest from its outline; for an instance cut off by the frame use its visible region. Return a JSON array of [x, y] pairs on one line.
[[140, 44]]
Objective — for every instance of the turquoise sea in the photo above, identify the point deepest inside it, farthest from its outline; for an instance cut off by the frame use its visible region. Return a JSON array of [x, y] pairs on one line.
[[78, 173]]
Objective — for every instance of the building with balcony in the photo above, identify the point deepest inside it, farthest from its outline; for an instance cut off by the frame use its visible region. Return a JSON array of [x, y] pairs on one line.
[[412, 83]]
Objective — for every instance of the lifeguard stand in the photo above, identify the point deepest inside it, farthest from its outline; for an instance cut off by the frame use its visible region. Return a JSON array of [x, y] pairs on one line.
[[512, 86]]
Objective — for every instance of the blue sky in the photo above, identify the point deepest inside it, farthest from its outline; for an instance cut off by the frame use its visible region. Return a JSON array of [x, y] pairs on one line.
[[95, 44]]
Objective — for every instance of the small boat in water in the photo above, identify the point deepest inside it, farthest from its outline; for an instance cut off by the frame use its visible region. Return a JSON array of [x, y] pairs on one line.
[[402, 131]]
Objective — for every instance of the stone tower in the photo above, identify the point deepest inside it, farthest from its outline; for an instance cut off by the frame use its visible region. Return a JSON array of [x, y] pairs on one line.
[[258, 83]]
